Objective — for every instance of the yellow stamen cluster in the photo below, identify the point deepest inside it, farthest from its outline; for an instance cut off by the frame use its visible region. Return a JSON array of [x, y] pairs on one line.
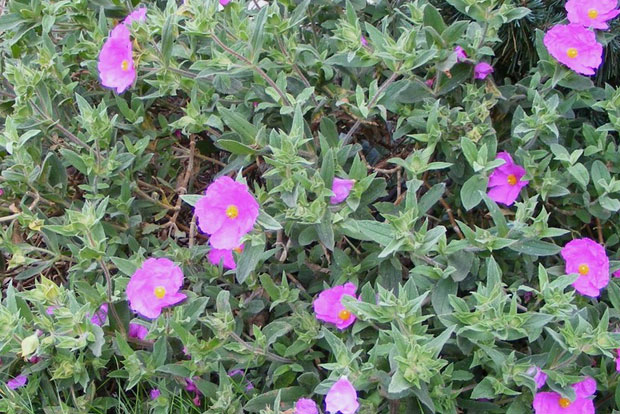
[[572, 52], [344, 314], [159, 292], [512, 179], [584, 269], [564, 402], [592, 13], [232, 211], [125, 65]]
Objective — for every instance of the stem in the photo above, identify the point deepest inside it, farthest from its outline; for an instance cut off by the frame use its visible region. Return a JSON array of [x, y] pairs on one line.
[[371, 104], [254, 67], [266, 354]]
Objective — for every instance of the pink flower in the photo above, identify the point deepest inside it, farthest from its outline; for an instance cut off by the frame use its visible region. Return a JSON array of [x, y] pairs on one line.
[[137, 331], [154, 286], [305, 406], [223, 3], [588, 259], [115, 66], [138, 15], [617, 273], [190, 387], [505, 181], [364, 41], [100, 316], [34, 360], [618, 360], [482, 70], [341, 188], [592, 13], [430, 82], [196, 399], [224, 255], [540, 378], [154, 394], [1, 191], [461, 55], [342, 398], [554, 403], [328, 306], [574, 46], [17, 382], [227, 212]]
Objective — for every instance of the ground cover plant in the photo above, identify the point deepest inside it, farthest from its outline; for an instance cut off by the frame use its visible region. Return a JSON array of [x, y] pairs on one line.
[[309, 207]]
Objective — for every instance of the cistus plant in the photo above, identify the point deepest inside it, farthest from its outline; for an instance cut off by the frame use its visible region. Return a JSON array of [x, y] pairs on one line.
[[303, 207]]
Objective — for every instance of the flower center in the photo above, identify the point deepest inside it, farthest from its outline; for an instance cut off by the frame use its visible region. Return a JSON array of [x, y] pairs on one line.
[[344, 314], [159, 292], [125, 65], [564, 402], [512, 179], [238, 249], [584, 269], [592, 13], [572, 52], [232, 211]]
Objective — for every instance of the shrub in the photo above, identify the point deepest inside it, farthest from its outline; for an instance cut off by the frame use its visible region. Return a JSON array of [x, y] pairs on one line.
[[390, 219]]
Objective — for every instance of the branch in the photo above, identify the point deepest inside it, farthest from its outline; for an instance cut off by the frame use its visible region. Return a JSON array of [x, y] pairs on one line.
[[253, 66]]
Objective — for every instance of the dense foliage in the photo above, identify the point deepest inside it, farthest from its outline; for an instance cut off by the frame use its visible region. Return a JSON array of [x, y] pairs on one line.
[[463, 301]]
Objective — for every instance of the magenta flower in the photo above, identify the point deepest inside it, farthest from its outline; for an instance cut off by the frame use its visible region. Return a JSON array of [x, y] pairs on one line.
[[554, 403], [364, 41], [341, 397], [138, 15], [154, 394], [617, 273], [225, 256], [1, 191], [115, 66], [588, 259], [341, 188], [592, 13], [482, 70], [17, 382], [226, 212], [223, 3], [137, 331], [430, 82], [505, 181], [328, 306], [618, 360], [461, 55], [196, 399], [100, 316], [574, 46], [154, 286], [305, 406]]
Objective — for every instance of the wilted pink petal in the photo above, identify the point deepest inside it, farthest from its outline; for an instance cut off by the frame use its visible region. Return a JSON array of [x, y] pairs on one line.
[[364, 41], [574, 46], [137, 331], [154, 394], [618, 360], [505, 182], [116, 67], [617, 273], [461, 55], [100, 316], [305, 406], [17, 382], [224, 2], [341, 188], [588, 259], [540, 378], [342, 398], [591, 13], [227, 212], [482, 70], [430, 82], [50, 310], [155, 286]]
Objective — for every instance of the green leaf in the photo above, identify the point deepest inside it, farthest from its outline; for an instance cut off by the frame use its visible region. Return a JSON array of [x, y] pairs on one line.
[[247, 132], [535, 247], [167, 38], [580, 173], [248, 260], [287, 395], [234, 147], [472, 191], [191, 199]]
